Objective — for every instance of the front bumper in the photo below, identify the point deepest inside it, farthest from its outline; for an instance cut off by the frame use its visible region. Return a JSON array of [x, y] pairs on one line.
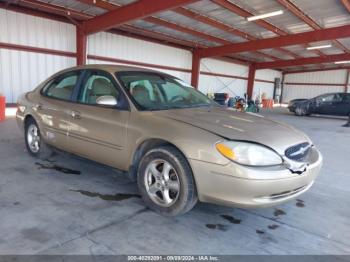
[[252, 187], [291, 108]]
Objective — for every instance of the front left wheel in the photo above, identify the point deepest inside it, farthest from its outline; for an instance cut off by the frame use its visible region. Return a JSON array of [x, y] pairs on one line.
[[34, 142], [166, 182], [300, 111]]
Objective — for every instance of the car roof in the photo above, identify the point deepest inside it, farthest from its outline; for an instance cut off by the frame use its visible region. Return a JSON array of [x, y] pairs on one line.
[[113, 68]]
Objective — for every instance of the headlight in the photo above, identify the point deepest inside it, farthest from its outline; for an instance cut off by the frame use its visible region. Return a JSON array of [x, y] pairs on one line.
[[248, 153]]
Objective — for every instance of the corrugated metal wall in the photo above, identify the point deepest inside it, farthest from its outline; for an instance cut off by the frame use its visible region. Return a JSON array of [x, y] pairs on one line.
[[305, 85], [213, 84], [261, 88], [120, 47], [22, 71], [131, 49]]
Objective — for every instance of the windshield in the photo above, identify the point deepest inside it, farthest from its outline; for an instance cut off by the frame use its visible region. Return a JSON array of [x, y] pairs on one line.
[[155, 91]]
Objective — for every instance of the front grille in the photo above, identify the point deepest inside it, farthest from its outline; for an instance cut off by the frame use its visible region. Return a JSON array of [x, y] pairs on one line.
[[298, 152]]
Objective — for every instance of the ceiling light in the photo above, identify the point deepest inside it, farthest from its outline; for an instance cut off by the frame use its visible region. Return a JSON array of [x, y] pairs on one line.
[[257, 17], [342, 62], [318, 47]]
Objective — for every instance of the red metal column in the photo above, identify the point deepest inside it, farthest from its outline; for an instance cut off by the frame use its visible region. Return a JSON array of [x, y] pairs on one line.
[[196, 62], [251, 78], [347, 81], [81, 46]]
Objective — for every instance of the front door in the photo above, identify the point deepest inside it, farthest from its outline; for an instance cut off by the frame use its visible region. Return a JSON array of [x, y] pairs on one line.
[[96, 131], [324, 104]]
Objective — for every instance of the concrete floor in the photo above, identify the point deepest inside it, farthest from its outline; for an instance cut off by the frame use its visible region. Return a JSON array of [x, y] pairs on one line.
[[42, 211]]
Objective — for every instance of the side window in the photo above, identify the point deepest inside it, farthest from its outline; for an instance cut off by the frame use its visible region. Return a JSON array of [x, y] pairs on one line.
[[62, 87], [95, 86], [325, 98], [337, 98], [346, 98]]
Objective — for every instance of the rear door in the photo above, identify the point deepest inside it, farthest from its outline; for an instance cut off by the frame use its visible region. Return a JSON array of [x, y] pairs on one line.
[[95, 131], [53, 108]]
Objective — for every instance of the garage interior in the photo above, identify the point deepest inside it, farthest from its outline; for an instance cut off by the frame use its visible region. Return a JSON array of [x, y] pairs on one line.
[[69, 205]]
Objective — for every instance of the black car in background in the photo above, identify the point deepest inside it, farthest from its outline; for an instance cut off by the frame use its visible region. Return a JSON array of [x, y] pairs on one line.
[[327, 104]]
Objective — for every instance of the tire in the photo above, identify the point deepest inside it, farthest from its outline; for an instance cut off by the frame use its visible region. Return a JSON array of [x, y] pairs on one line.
[[173, 192], [32, 133], [300, 111]]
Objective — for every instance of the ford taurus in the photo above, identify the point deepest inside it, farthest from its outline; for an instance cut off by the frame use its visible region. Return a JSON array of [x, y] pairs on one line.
[[176, 143]]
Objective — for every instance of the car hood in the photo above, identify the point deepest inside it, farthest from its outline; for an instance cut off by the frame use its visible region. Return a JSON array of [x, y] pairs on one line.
[[233, 125], [298, 101]]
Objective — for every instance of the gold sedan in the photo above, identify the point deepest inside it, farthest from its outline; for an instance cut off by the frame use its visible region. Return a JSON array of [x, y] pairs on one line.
[[175, 142]]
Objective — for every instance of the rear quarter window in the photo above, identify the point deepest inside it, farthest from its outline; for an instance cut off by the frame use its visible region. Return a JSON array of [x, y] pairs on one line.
[[62, 87]]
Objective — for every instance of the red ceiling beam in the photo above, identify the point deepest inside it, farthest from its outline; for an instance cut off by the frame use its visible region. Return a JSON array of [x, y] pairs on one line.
[[303, 61], [186, 30], [226, 28], [110, 7], [209, 21], [241, 12], [29, 11], [295, 39], [297, 12], [67, 12], [130, 12], [346, 4], [49, 11], [308, 20], [58, 13], [148, 35]]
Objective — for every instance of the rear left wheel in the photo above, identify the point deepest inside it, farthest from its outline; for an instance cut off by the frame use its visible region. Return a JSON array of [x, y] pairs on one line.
[[166, 182], [34, 142]]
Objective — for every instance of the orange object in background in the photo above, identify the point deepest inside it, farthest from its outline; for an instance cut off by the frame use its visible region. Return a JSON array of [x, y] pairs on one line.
[[2, 108], [267, 103]]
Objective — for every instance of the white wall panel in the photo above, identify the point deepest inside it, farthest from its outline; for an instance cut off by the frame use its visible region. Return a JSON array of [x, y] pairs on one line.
[[21, 71], [268, 74], [330, 77], [214, 84], [219, 84], [121, 47], [308, 91], [22, 29], [262, 88], [222, 67]]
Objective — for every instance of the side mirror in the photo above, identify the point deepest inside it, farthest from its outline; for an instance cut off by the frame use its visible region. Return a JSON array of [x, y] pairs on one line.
[[106, 101]]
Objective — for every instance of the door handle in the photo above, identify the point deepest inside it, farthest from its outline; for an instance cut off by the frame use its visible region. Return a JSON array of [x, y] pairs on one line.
[[75, 115], [38, 106]]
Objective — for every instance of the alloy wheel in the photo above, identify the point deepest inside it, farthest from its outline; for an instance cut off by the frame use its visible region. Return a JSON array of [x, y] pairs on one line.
[[33, 138], [162, 182]]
